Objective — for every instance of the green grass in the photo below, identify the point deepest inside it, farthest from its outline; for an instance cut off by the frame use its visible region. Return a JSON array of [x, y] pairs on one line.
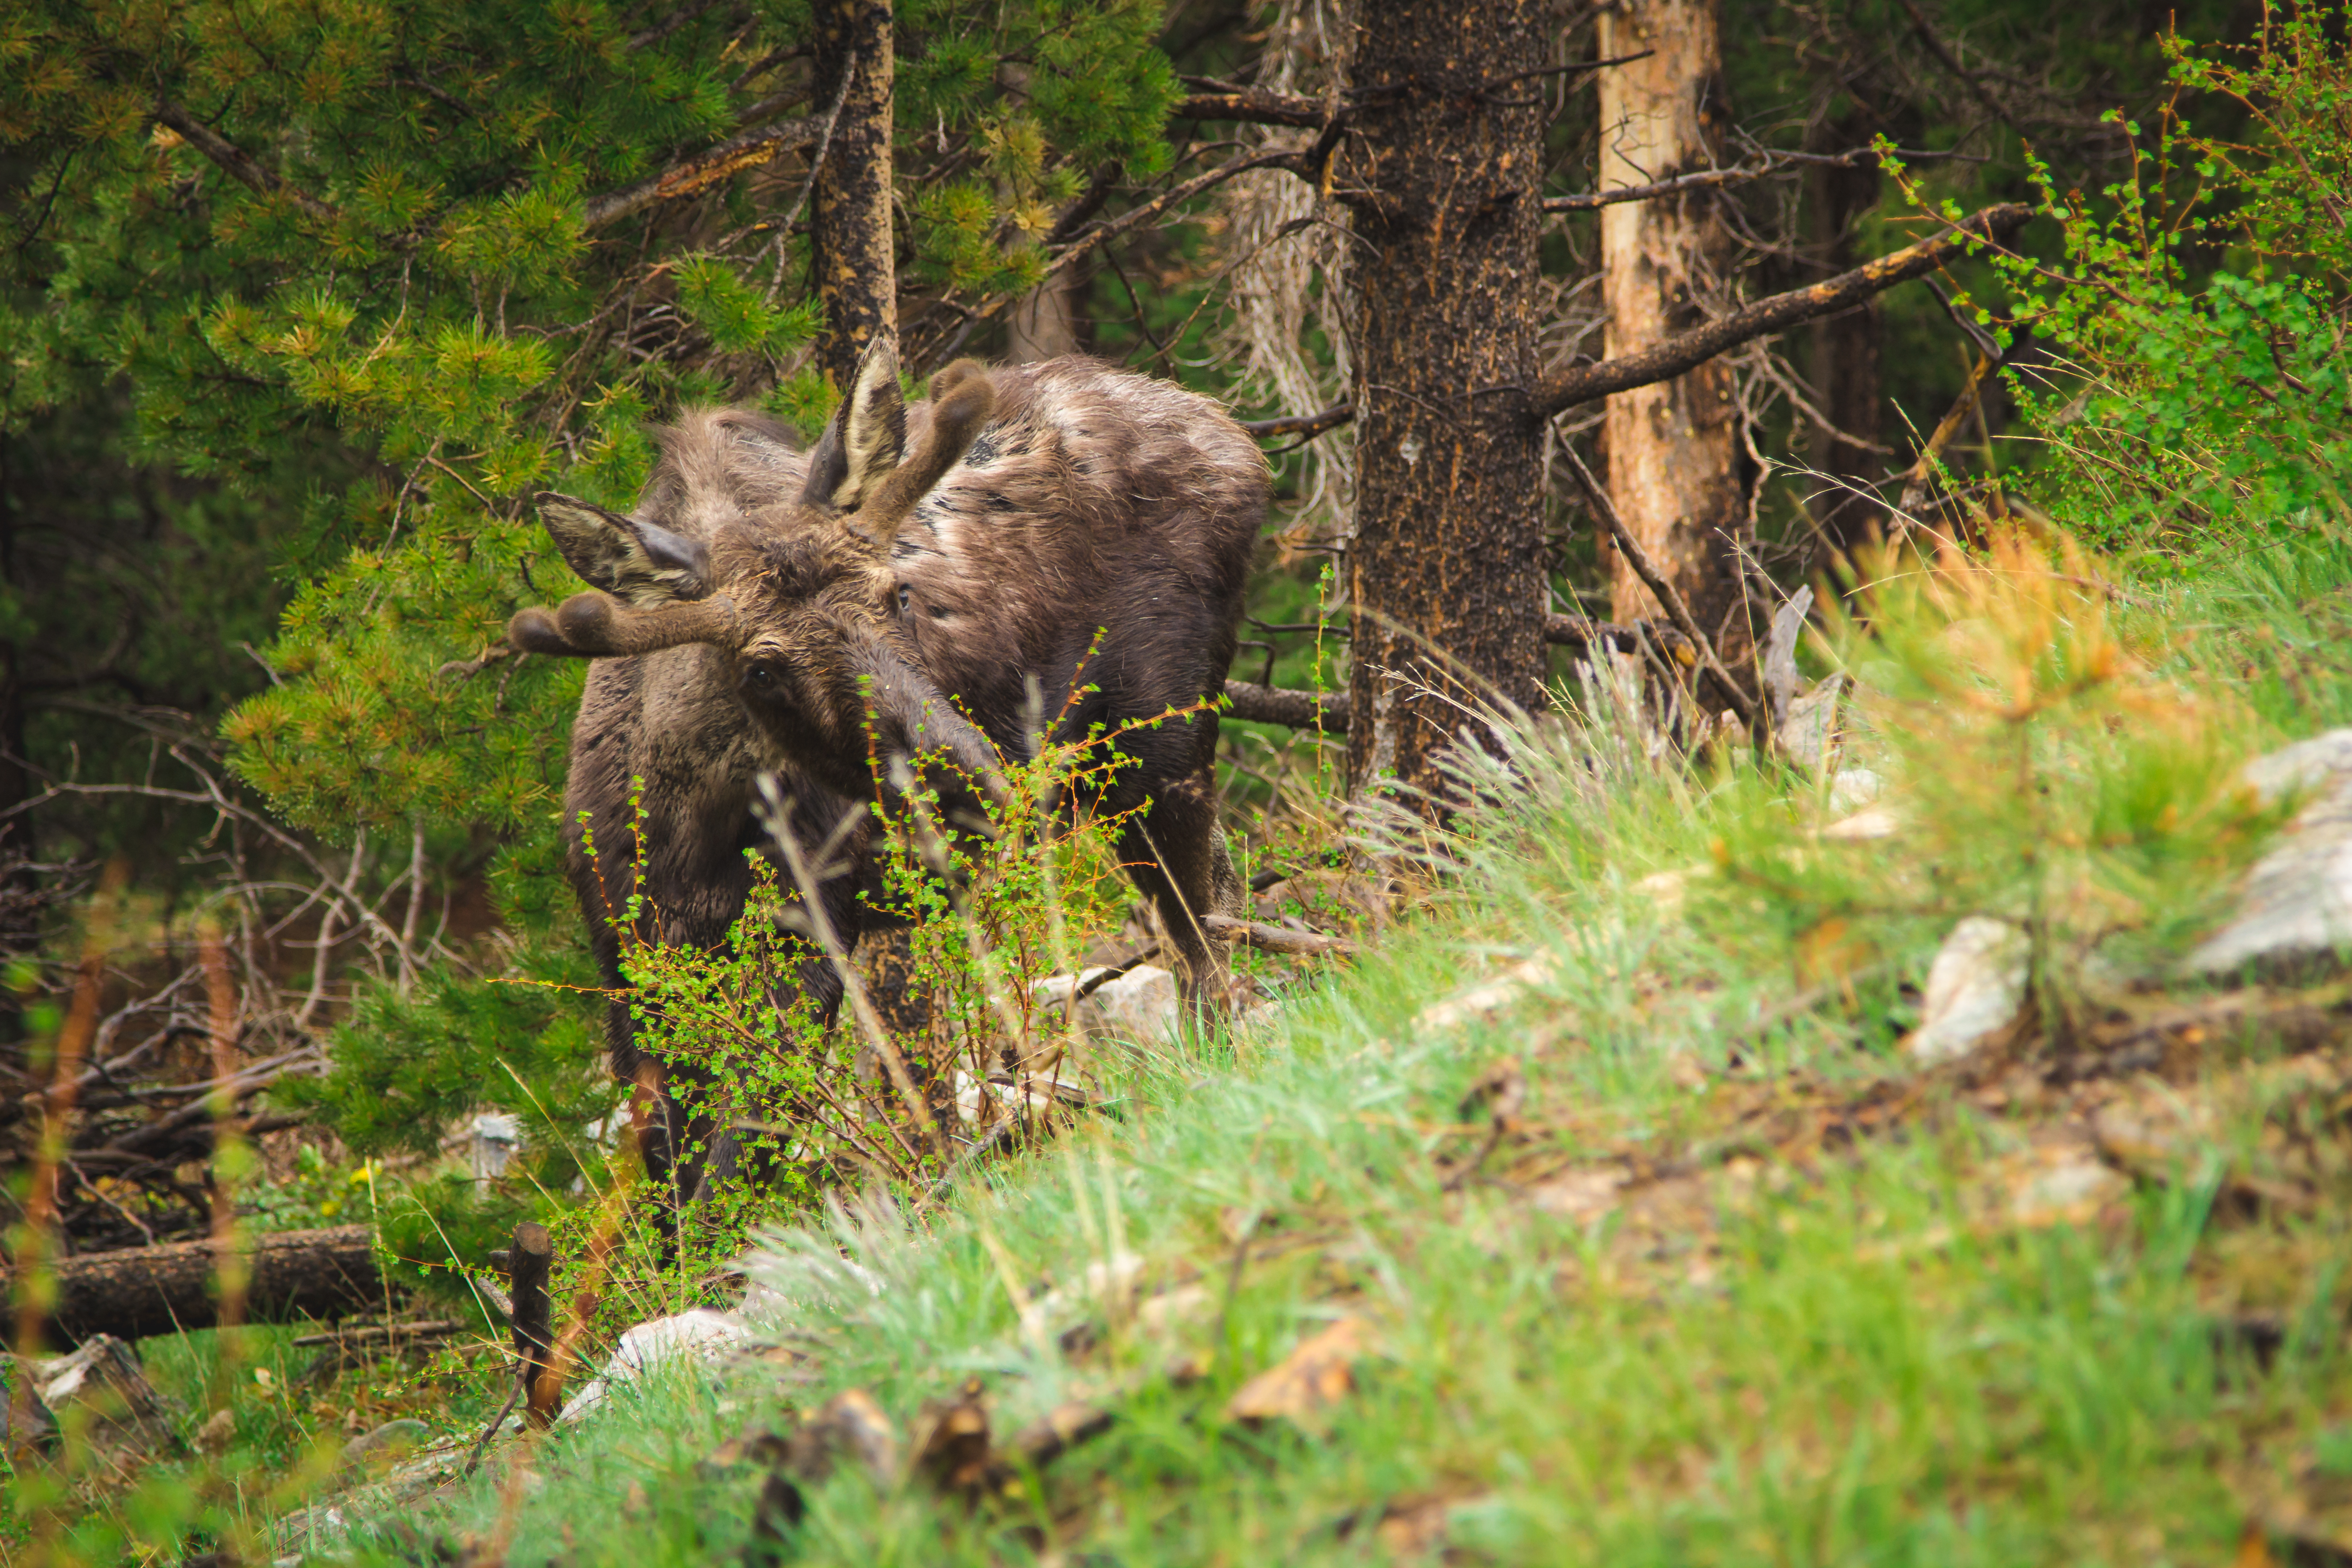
[[1791, 1347]]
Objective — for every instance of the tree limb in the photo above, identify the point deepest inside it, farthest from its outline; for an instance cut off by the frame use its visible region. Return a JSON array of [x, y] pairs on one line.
[[1258, 704], [1251, 107], [1772, 163], [1583, 384], [1303, 425], [990, 308], [705, 169], [235, 162], [1277, 939], [1663, 362]]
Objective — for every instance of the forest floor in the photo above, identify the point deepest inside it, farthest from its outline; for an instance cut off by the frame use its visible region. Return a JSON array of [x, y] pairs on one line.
[[1623, 1201]]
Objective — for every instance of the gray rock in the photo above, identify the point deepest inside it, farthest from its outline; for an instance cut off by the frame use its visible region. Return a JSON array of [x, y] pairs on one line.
[[382, 1448], [2297, 904], [1812, 724], [1974, 990], [40, 1430], [104, 1374]]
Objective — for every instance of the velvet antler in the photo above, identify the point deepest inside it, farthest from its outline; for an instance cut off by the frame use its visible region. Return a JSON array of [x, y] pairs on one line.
[[962, 399], [597, 625]]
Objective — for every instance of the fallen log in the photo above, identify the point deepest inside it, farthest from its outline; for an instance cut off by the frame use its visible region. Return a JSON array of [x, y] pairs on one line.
[[142, 1290]]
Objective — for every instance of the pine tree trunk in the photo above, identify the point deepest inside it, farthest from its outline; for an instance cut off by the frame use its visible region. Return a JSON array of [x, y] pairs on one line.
[[1045, 324], [1444, 157], [853, 256], [1674, 455], [1844, 369]]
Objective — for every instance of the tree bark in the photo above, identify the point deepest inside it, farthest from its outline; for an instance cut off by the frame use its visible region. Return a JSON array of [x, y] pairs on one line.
[[1674, 455], [143, 1291], [1045, 324], [1844, 369], [1447, 554], [852, 252]]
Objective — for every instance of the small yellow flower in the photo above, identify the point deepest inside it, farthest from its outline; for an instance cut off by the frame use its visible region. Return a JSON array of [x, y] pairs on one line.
[[331, 1208], [261, 1375]]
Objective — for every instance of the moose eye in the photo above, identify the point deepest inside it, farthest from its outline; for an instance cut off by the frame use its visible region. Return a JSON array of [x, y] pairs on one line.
[[759, 675], [906, 595]]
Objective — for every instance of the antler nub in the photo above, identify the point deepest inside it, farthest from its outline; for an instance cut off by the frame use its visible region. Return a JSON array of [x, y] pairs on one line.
[[963, 396]]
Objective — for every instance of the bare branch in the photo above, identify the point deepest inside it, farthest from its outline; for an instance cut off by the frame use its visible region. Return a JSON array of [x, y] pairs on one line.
[[1768, 165], [1251, 107], [705, 169], [1306, 426], [1277, 939], [1277, 705], [1663, 362]]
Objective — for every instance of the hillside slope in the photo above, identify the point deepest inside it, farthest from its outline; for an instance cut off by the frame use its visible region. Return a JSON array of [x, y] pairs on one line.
[[1613, 1211]]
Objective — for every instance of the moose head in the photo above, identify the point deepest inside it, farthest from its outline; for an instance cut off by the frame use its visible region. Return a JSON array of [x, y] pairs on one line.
[[798, 597]]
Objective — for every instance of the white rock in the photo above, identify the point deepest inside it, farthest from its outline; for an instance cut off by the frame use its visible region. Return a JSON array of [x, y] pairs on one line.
[[1810, 729], [1663, 891], [1099, 1286], [1142, 1005], [1974, 989], [1851, 789], [2306, 765], [490, 1141], [2298, 902], [697, 1335], [984, 1104], [1875, 823]]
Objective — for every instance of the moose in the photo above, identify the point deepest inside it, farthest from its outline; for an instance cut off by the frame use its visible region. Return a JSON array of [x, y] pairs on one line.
[[892, 600]]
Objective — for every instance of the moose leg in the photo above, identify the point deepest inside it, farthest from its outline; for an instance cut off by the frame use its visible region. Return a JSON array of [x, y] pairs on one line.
[[681, 1145], [1176, 853]]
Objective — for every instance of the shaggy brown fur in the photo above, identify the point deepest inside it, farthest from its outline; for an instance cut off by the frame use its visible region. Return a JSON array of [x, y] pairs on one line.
[[919, 564]]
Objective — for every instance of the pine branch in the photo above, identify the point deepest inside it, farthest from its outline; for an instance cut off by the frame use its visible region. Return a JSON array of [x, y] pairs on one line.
[[234, 160]]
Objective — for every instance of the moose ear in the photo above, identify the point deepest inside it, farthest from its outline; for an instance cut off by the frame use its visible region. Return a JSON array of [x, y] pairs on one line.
[[867, 437], [642, 563]]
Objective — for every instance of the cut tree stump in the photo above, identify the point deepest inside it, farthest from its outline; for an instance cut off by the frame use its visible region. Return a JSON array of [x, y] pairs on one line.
[[142, 1290]]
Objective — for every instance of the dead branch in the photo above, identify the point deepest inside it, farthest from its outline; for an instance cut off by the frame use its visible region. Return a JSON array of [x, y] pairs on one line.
[[1917, 476], [1565, 389], [1277, 938], [1768, 164], [1276, 705], [1252, 106], [704, 169], [1584, 384], [1306, 426]]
